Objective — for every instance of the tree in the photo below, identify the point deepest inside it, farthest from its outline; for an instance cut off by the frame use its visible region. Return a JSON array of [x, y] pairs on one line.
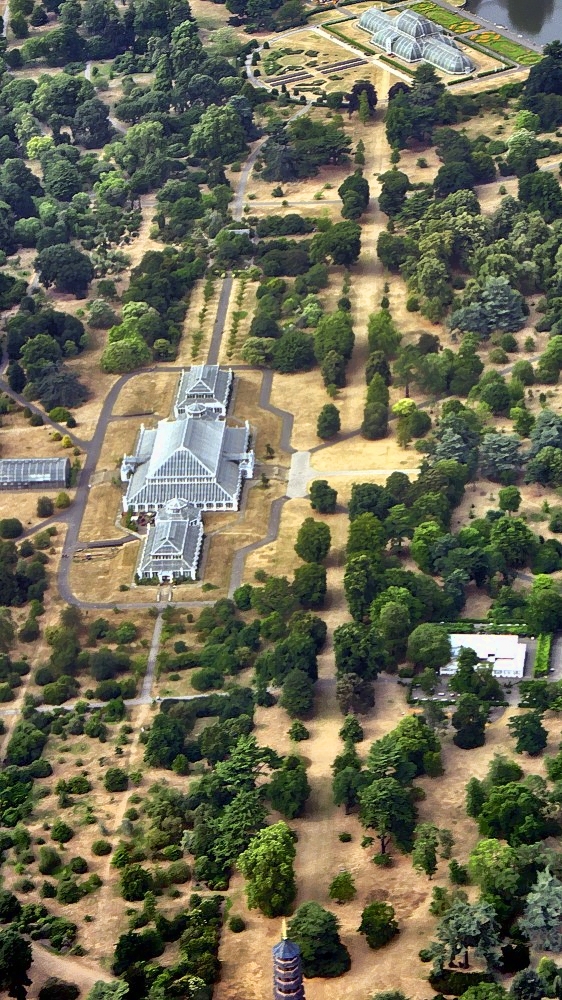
[[469, 720], [313, 540], [115, 990], [288, 789], [529, 732], [267, 864], [383, 334], [309, 585], [45, 507], [365, 537], [466, 926], [424, 855], [15, 960], [65, 267], [323, 497], [16, 377], [218, 134], [342, 888], [10, 527], [125, 355], [293, 352], [328, 424], [541, 193], [116, 780], [298, 694], [340, 243], [542, 917], [429, 645], [494, 867], [354, 694], [315, 931], [527, 985], [135, 882], [513, 541], [395, 186], [514, 813], [387, 807], [378, 924], [499, 456], [351, 730], [509, 499], [346, 786], [91, 127], [544, 605], [58, 989]]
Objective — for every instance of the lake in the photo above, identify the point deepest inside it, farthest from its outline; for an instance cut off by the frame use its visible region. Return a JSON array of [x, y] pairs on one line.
[[538, 20]]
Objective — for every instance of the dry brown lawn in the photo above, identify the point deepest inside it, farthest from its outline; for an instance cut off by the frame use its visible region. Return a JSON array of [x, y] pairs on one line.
[[192, 325], [100, 514], [151, 393], [230, 350]]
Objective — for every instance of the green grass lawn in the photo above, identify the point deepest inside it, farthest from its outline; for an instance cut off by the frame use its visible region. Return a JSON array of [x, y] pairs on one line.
[[504, 47], [447, 19]]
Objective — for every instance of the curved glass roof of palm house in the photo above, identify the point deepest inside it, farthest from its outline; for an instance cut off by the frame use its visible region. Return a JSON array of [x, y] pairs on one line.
[[414, 38], [415, 24]]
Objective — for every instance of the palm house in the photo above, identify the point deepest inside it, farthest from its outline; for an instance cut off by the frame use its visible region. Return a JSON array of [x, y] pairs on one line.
[[414, 38]]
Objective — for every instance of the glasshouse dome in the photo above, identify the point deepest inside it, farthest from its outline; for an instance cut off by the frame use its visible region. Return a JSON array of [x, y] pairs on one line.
[[414, 24], [446, 58], [413, 38], [394, 42]]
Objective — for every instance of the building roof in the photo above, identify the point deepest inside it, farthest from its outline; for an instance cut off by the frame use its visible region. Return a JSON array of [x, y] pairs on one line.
[[29, 470], [208, 384], [173, 542], [286, 950], [196, 459], [504, 653], [441, 54], [413, 37], [414, 24]]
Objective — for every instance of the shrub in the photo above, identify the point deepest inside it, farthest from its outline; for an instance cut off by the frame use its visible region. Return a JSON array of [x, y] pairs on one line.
[[456, 983], [298, 731], [101, 847], [542, 658], [78, 865], [61, 832], [45, 507], [62, 501], [345, 837], [116, 780], [68, 891], [58, 989], [10, 527], [49, 860], [236, 924]]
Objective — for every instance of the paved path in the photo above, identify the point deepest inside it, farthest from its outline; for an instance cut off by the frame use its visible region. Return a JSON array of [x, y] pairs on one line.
[[302, 471]]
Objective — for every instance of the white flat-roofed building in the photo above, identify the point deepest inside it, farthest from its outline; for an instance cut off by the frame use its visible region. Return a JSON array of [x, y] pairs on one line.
[[505, 654]]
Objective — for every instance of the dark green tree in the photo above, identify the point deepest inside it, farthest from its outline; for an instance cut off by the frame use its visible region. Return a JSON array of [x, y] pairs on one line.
[[315, 931]]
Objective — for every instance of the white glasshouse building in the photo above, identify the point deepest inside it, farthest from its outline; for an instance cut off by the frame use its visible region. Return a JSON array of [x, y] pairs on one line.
[[415, 38], [172, 546]]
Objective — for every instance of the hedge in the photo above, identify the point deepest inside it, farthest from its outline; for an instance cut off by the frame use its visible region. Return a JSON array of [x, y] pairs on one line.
[[542, 658], [453, 983]]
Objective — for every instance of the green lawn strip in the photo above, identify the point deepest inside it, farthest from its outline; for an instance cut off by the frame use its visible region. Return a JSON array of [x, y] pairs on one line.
[[445, 18], [542, 658], [505, 47]]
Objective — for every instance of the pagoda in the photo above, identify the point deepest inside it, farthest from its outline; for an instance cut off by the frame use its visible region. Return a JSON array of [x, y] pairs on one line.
[[287, 971]]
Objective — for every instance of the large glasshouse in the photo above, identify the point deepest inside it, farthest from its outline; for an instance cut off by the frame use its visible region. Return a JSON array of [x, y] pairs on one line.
[[414, 38]]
